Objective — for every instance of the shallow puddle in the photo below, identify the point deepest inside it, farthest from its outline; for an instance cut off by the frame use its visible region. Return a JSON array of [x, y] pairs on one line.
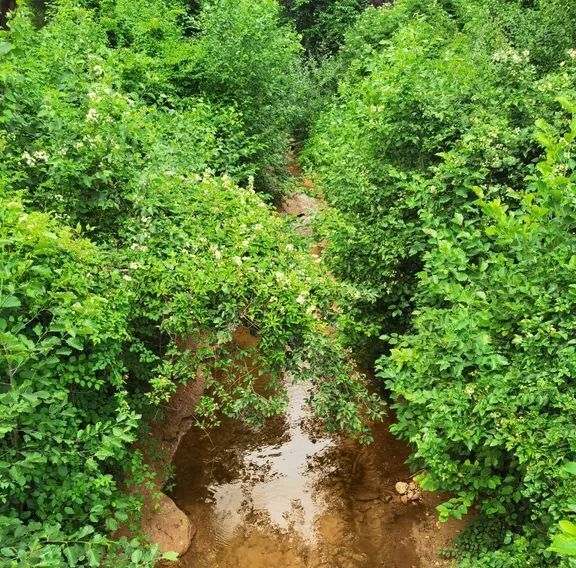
[[291, 496]]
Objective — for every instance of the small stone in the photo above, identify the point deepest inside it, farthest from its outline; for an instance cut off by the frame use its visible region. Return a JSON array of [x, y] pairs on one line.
[[401, 487], [404, 499], [364, 494]]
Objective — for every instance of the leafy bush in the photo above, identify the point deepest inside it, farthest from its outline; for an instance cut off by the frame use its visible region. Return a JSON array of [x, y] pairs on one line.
[[544, 28], [236, 54], [483, 383], [436, 108], [244, 55], [95, 132], [417, 112], [65, 422]]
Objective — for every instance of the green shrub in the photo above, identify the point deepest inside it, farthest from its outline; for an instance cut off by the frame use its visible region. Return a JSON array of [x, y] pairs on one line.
[[420, 115], [544, 28], [377, 144], [243, 55], [437, 107], [65, 420], [94, 334], [484, 382]]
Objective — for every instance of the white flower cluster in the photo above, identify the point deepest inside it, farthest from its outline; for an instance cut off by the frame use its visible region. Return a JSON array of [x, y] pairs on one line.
[[301, 299], [92, 114], [216, 252], [509, 55], [33, 159]]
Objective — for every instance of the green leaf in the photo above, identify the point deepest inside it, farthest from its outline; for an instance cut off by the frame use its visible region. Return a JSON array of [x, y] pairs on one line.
[[5, 47], [85, 531], [563, 545], [9, 302], [568, 528], [75, 342], [570, 467], [73, 554], [136, 556], [111, 524], [93, 557], [171, 556]]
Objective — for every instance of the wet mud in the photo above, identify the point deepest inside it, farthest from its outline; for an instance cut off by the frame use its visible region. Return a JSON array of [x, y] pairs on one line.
[[292, 496]]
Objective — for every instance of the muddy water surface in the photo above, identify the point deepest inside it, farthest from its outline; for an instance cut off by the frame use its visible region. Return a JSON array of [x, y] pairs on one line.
[[291, 496]]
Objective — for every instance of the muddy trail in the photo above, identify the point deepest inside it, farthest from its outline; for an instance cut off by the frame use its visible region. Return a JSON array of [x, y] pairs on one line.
[[290, 495]]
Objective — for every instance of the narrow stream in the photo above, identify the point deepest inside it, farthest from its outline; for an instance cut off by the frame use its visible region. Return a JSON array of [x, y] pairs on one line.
[[291, 496]]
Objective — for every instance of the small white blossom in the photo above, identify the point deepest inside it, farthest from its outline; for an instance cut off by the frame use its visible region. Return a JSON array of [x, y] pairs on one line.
[[30, 161], [40, 156]]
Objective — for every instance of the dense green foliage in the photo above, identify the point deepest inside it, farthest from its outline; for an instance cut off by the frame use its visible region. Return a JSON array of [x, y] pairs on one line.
[[564, 542], [140, 144], [461, 250], [483, 381], [129, 232], [323, 23]]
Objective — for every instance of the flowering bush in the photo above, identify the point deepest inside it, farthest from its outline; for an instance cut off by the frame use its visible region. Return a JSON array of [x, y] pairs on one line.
[[166, 246], [460, 254]]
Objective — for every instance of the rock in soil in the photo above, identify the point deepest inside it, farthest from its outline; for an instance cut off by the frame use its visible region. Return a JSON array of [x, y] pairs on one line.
[[401, 488], [365, 494], [168, 526]]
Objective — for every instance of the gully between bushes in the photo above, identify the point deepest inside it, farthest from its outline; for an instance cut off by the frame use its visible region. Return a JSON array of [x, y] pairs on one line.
[[291, 496]]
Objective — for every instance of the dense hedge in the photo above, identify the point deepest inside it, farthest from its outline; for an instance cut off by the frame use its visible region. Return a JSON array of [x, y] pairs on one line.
[[123, 232], [460, 248]]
